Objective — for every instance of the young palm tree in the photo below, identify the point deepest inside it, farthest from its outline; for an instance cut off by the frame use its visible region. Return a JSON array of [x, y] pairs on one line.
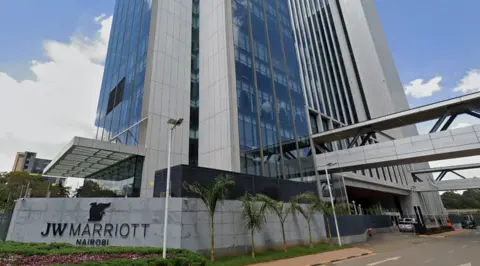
[[253, 214], [327, 212], [211, 195], [312, 205], [280, 209]]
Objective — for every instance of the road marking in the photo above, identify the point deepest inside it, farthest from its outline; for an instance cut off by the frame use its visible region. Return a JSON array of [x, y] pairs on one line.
[[451, 251], [428, 261], [464, 246], [385, 260], [466, 264]]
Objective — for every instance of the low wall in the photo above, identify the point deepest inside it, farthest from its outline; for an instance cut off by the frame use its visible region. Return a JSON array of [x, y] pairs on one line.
[[139, 222], [275, 188], [351, 225], [4, 224]]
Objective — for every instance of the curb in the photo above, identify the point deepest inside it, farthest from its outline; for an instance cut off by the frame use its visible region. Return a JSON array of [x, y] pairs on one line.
[[442, 236], [431, 236], [345, 258]]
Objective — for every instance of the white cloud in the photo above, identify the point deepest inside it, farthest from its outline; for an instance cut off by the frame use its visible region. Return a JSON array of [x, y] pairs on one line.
[[418, 89], [470, 82], [43, 114]]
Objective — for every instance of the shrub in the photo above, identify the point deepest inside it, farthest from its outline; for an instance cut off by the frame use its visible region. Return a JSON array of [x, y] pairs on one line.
[[130, 262], [111, 255]]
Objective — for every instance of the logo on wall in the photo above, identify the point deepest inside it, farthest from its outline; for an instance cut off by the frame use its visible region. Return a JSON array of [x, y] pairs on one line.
[[97, 211], [94, 233]]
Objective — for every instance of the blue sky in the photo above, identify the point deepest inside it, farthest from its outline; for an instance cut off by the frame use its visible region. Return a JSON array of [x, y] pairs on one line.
[[432, 37], [22, 37], [428, 39]]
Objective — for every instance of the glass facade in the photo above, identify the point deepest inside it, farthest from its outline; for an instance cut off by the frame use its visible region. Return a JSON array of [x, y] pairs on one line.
[[272, 117], [120, 104], [123, 177], [194, 85], [324, 77]]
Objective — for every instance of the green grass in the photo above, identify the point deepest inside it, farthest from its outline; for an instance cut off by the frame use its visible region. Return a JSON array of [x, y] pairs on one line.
[[274, 255], [28, 249]]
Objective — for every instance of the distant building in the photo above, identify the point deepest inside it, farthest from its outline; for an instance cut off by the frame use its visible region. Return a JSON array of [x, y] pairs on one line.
[[28, 162]]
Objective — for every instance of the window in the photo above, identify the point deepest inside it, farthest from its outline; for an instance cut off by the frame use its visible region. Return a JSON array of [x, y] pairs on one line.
[[314, 123], [325, 124], [115, 96]]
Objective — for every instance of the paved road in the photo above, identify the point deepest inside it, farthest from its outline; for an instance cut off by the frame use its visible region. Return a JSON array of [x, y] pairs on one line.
[[406, 249]]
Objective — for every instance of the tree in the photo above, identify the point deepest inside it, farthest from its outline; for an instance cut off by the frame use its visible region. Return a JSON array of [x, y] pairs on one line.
[[19, 182], [59, 191], [327, 212], [312, 205], [91, 189], [470, 199], [253, 213], [211, 195], [280, 209], [6, 203]]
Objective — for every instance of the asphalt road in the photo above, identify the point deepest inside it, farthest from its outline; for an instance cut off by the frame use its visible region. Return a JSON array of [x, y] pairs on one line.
[[406, 249]]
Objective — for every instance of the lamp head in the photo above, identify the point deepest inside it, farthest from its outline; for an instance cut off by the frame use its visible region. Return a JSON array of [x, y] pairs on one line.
[[175, 122]]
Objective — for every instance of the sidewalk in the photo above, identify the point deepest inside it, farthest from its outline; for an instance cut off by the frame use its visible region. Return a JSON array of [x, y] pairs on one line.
[[320, 258]]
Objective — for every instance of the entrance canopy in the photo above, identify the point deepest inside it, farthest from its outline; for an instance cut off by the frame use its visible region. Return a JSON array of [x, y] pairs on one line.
[[83, 157]]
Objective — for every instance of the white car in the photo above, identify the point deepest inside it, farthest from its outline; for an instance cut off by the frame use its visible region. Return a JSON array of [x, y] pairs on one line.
[[406, 225]]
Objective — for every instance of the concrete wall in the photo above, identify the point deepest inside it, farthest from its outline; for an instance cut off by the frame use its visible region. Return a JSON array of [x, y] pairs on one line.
[[218, 119], [167, 87], [31, 216], [188, 224], [4, 224]]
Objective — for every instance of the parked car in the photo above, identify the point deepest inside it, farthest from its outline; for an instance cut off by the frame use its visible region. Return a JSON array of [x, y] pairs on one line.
[[407, 225], [469, 224]]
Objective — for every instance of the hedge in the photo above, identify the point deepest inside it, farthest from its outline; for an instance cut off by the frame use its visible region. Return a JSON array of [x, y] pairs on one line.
[[176, 257]]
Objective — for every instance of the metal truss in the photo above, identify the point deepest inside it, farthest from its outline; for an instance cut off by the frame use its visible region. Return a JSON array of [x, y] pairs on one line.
[[364, 136], [443, 171], [453, 113]]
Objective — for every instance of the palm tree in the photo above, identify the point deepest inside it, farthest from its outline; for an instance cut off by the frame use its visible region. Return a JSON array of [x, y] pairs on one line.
[[327, 212], [312, 205], [211, 195], [253, 215], [280, 209]]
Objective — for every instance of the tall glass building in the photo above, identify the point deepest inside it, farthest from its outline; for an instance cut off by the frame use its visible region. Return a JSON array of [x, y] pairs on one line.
[[271, 109], [120, 104], [252, 80]]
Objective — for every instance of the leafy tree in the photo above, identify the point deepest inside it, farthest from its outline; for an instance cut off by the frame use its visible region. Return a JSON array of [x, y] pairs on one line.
[[342, 209], [470, 199], [14, 185], [3, 175], [59, 191], [6, 202], [211, 195], [327, 212], [280, 209], [253, 213], [312, 205], [91, 189]]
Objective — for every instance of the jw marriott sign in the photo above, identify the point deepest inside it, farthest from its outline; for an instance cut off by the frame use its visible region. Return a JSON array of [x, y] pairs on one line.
[[95, 233]]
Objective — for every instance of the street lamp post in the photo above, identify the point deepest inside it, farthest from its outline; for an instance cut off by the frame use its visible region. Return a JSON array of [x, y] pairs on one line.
[[331, 202], [174, 123]]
